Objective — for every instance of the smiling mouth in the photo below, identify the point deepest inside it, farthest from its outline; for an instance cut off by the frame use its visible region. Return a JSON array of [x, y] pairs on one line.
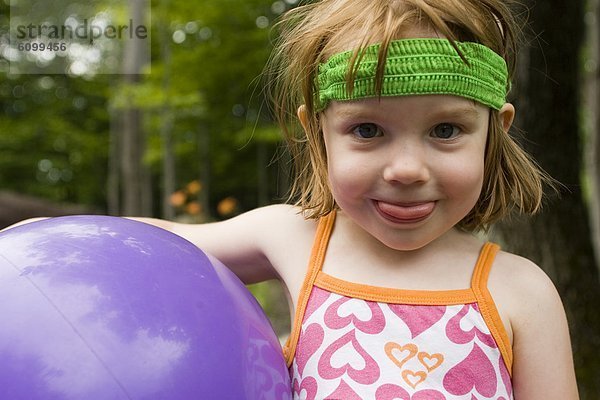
[[405, 213]]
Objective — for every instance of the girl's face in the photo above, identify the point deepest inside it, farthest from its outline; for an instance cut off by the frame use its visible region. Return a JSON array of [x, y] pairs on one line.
[[406, 169]]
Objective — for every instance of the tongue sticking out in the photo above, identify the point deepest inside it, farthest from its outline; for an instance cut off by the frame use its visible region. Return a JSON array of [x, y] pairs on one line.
[[407, 212]]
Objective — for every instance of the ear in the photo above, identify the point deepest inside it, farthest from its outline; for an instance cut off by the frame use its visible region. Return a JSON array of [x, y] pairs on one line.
[[303, 117], [507, 115]]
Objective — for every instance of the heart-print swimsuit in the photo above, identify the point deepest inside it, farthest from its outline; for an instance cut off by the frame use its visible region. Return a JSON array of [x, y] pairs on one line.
[[351, 341]]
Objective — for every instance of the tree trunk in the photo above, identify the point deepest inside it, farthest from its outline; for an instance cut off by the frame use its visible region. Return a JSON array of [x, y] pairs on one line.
[[134, 180], [204, 169], [113, 193], [131, 160], [262, 165], [559, 239], [592, 101], [168, 184]]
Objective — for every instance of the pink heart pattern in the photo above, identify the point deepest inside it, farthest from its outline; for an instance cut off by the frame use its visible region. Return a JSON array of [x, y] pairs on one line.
[[342, 348], [456, 333], [307, 389], [418, 319], [310, 340], [366, 375], [395, 392], [316, 299], [373, 325], [474, 372], [344, 391], [505, 376]]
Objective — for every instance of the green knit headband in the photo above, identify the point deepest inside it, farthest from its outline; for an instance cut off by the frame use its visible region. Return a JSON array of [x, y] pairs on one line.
[[416, 67]]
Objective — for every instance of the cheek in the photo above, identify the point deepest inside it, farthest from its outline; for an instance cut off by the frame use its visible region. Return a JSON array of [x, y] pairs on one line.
[[348, 176], [464, 180]]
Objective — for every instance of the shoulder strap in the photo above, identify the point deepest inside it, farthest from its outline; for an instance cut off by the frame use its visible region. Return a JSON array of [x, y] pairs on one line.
[[484, 265], [315, 264], [486, 303], [317, 256]]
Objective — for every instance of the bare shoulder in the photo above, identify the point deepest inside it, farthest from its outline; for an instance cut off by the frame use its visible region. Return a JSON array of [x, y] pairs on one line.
[[523, 286], [520, 275], [287, 241], [528, 300], [520, 289]]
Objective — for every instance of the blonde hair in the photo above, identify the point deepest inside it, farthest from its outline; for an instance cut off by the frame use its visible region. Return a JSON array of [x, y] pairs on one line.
[[311, 33]]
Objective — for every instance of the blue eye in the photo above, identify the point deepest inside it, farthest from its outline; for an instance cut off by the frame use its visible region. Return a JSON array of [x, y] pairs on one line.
[[445, 131], [366, 131]]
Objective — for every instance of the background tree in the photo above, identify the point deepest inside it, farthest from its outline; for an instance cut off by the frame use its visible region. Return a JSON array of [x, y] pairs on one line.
[[592, 118], [135, 183], [547, 98]]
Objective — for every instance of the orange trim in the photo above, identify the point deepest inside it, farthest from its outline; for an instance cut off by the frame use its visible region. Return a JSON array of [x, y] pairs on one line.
[[487, 307], [398, 296], [314, 266], [477, 293]]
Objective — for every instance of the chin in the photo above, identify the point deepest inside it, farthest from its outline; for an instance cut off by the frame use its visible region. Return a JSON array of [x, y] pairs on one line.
[[408, 244], [411, 240]]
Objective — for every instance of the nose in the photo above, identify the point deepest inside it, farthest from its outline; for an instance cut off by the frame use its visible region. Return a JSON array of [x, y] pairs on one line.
[[406, 164]]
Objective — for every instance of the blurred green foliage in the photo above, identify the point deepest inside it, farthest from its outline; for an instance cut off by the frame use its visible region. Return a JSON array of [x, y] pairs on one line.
[[206, 61]]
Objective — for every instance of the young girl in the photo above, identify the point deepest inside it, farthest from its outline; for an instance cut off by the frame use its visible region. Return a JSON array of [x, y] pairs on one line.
[[404, 153]]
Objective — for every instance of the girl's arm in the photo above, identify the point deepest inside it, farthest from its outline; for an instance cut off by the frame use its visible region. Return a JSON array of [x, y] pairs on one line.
[[543, 361], [247, 244]]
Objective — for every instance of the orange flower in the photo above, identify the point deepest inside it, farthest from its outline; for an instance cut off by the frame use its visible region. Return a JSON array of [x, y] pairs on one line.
[[194, 187], [178, 199], [193, 208], [227, 206]]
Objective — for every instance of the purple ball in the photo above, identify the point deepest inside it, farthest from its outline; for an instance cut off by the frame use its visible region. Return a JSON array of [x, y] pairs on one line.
[[108, 308]]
